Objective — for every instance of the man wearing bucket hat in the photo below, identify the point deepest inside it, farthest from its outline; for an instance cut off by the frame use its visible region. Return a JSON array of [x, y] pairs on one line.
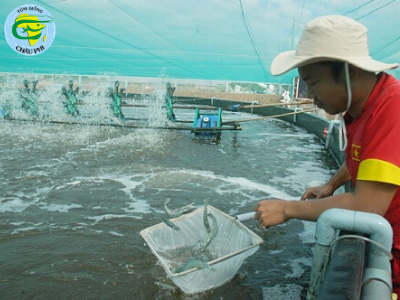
[[332, 57]]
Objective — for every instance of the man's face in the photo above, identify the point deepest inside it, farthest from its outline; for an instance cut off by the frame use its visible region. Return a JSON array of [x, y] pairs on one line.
[[327, 93]]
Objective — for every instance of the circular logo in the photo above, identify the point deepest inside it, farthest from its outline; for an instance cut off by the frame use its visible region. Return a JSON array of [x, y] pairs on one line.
[[30, 29]]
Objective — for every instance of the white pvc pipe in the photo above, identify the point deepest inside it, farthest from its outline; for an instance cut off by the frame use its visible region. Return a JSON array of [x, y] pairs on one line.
[[295, 115], [377, 276], [330, 132], [246, 216]]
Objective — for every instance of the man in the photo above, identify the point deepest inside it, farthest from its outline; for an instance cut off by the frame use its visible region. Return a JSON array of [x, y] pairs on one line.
[[332, 57]]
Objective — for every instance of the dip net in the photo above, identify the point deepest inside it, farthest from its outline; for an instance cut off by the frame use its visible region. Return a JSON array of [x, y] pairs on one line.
[[181, 252]]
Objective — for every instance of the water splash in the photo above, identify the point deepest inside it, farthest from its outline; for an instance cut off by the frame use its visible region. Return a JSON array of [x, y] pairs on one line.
[[94, 100]]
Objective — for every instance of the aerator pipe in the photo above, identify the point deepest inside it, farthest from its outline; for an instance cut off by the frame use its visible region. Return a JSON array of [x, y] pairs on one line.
[[377, 277], [297, 109], [330, 132]]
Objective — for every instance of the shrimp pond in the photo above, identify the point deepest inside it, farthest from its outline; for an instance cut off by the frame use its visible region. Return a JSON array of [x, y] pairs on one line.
[[75, 197]]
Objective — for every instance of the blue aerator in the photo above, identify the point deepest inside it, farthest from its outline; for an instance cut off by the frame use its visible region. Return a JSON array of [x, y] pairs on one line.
[[207, 125]]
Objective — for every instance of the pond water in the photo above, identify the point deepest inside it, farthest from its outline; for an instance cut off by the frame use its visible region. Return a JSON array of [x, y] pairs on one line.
[[75, 197]]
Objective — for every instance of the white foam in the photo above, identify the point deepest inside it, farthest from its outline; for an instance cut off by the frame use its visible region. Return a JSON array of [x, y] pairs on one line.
[[308, 234], [16, 204], [79, 181], [138, 206], [98, 207], [233, 211], [314, 183], [223, 185], [284, 135], [300, 175], [17, 223], [59, 207], [222, 151], [274, 251], [97, 219], [239, 182], [116, 233], [26, 229], [130, 183], [282, 292], [298, 266]]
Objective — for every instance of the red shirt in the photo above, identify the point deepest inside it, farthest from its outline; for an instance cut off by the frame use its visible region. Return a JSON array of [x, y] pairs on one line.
[[373, 152]]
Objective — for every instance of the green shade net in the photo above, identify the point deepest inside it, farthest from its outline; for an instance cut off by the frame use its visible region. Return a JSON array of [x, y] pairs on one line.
[[186, 39]]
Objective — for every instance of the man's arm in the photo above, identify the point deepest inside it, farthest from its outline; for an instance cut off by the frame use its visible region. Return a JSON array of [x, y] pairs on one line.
[[341, 177], [369, 196]]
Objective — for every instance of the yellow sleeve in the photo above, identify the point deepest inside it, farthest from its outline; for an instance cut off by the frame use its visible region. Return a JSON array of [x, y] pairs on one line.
[[379, 170]]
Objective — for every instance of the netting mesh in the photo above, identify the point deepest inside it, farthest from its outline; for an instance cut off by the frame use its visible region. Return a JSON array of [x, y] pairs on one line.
[[233, 243], [209, 40]]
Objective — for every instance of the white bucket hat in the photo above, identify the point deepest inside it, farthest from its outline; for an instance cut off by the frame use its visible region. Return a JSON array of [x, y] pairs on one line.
[[332, 37]]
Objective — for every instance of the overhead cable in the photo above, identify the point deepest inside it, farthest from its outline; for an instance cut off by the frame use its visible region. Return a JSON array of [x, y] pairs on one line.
[[387, 45], [252, 41], [358, 7], [374, 10]]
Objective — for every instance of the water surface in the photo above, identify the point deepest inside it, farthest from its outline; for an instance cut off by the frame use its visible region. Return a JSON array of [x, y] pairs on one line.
[[74, 198]]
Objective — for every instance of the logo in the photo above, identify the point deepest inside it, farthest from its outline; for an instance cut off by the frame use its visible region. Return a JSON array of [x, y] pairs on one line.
[[30, 29], [355, 152]]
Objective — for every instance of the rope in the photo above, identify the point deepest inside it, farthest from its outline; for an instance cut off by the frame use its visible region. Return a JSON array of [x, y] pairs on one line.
[[342, 125]]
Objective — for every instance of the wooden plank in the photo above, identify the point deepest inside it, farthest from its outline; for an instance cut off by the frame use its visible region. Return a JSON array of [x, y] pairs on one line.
[[268, 117], [133, 126]]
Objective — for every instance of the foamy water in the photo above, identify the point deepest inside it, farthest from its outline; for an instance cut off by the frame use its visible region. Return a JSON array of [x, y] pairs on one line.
[[74, 198]]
